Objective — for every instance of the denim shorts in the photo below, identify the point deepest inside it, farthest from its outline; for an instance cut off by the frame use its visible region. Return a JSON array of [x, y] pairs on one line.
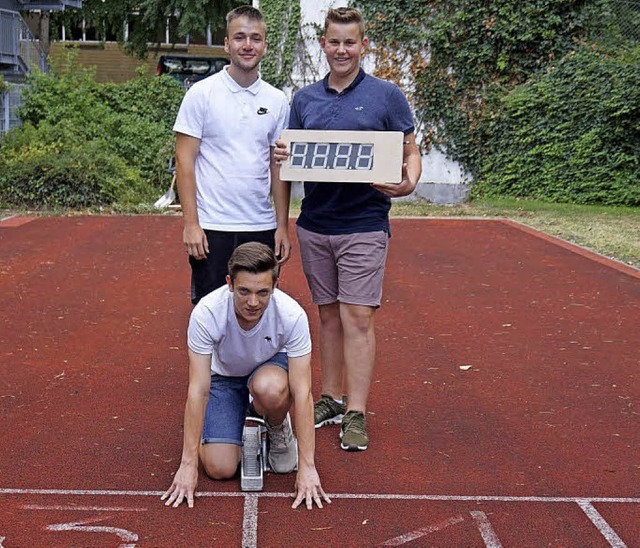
[[228, 403]]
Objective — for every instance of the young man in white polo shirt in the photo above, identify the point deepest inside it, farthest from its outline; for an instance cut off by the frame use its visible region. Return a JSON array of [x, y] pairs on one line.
[[248, 337], [226, 129]]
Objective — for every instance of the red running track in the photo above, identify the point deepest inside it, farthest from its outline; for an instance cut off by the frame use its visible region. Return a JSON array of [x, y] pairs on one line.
[[504, 409]]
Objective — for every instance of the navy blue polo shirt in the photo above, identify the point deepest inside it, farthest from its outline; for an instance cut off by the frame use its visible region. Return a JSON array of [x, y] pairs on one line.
[[368, 104]]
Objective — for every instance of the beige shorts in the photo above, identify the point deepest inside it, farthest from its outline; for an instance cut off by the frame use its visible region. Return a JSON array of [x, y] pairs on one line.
[[346, 268]]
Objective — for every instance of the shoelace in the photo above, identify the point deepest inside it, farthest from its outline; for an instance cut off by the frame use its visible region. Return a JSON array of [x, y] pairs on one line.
[[277, 436], [355, 423], [325, 408]]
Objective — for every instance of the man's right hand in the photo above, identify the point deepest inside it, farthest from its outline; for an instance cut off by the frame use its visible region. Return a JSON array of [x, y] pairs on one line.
[[195, 241], [280, 152], [183, 487]]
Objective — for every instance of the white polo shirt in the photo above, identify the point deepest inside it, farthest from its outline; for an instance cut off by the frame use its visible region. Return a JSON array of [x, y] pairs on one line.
[[236, 127], [235, 352]]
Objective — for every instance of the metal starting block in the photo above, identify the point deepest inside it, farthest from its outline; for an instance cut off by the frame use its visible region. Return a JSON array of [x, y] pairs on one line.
[[253, 461]]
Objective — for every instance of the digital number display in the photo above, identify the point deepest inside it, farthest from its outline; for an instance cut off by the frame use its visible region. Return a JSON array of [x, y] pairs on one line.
[[345, 156], [342, 156]]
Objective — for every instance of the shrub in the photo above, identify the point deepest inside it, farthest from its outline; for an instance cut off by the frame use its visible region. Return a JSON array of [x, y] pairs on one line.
[[88, 144], [57, 174], [155, 98], [571, 134]]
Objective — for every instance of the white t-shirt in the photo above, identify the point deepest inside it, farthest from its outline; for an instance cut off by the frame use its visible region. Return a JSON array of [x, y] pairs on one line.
[[236, 127], [214, 329]]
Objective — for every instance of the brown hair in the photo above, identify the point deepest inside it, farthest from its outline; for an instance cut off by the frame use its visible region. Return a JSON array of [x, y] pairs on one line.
[[249, 12], [344, 16], [255, 258]]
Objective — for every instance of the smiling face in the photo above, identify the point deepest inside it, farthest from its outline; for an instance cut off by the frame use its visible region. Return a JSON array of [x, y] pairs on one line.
[[246, 43], [251, 295], [344, 45]]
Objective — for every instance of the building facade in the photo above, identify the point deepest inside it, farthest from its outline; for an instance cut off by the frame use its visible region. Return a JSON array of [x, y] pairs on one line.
[[20, 52]]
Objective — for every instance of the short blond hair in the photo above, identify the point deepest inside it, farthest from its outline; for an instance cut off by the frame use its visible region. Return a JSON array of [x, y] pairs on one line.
[[344, 16], [249, 12]]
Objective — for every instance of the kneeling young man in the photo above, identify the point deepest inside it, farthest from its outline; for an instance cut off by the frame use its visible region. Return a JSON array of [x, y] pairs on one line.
[[248, 337]]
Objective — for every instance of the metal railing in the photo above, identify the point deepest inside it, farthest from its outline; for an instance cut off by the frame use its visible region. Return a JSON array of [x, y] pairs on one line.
[[9, 103], [18, 47], [20, 53]]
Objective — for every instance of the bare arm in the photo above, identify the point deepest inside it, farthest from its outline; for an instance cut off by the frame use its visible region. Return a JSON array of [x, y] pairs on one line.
[[411, 171], [186, 478], [281, 193], [193, 237], [307, 486]]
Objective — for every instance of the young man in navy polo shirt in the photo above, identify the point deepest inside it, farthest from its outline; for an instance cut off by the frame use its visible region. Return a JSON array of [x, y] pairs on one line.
[[343, 228]]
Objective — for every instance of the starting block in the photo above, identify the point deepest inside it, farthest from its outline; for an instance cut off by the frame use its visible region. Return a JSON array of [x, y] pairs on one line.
[[253, 461], [253, 458]]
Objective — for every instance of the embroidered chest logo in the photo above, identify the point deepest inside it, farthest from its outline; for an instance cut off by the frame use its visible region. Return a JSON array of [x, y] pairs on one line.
[[268, 339], [262, 110], [359, 108]]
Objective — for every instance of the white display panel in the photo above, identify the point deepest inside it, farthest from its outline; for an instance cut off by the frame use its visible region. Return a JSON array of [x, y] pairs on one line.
[[343, 156]]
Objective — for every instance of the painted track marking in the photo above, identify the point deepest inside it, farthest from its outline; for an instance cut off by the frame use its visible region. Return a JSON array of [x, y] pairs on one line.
[[488, 534], [250, 522], [250, 519], [129, 537], [484, 526], [82, 508], [403, 539], [390, 496], [604, 528]]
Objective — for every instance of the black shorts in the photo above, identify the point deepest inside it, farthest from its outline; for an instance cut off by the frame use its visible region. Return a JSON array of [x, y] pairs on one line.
[[210, 273]]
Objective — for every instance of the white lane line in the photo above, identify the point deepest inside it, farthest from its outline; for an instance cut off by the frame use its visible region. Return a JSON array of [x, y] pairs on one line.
[[486, 530], [250, 522], [82, 508], [373, 496], [596, 518], [118, 493], [474, 498], [403, 539]]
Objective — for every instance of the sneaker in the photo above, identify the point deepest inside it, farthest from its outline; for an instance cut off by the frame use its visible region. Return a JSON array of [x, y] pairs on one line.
[[283, 447], [328, 411], [354, 432]]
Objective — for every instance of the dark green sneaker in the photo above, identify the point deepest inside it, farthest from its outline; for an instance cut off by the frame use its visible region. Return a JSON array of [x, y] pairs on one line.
[[328, 411], [354, 432]]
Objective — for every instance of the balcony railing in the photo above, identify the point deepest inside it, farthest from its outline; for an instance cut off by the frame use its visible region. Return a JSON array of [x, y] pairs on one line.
[[49, 5], [19, 51], [9, 103]]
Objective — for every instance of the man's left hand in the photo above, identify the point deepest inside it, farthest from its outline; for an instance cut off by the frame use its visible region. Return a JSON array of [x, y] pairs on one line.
[[394, 190], [283, 245], [308, 489]]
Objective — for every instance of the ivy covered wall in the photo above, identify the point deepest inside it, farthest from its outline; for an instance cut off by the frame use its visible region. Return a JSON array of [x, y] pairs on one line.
[[461, 60], [283, 23]]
